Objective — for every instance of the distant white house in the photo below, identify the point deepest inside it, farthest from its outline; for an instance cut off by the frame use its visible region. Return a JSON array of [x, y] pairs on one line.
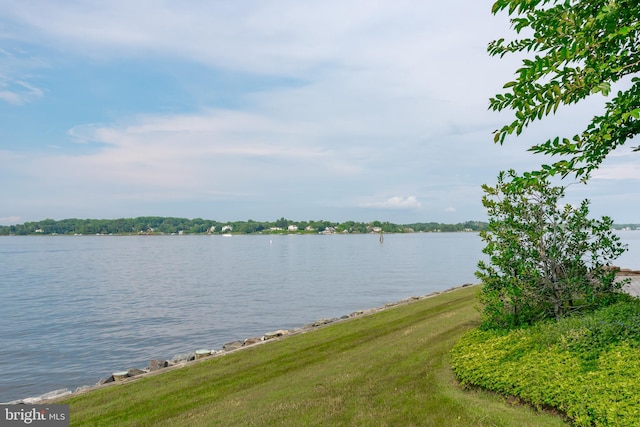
[[292, 228], [226, 228], [212, 229]]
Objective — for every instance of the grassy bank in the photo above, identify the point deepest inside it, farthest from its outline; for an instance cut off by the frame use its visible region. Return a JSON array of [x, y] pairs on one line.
[[390, 368]]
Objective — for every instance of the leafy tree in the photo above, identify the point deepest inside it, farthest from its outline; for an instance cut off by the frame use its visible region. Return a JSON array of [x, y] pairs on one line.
[[546, 261], [574, 48], [282, 223], [247, 227], [168, 225], [388, 227]]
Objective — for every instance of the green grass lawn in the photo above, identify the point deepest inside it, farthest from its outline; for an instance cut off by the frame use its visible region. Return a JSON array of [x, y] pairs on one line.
[[387, 369]]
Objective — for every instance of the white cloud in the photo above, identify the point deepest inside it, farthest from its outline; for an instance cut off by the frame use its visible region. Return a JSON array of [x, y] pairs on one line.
[[15, 85], [11, 97], [390, 96], [210, 154], [406, 48], [18, 92], [11, 220], [620, 165], [395, 202], [623, 171]]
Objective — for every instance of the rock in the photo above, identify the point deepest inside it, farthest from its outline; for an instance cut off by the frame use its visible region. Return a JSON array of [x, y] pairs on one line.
[[155, 364], [120, 375], [106, 380], [201, 354], [133, 372], [234, 345], [179, 358], [251, 341], [323, 322], [275, 334]]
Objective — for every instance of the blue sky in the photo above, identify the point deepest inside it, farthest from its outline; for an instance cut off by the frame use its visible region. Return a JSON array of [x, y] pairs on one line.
[[331, 110]]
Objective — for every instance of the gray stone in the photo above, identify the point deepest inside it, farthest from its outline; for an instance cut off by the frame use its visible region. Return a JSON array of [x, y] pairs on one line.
[[178, 358], [323, 322], [133, 372], [120, 375], [275, 334], [107, 380], [251, 341], [156, 364], [201, 354], [233, 345]]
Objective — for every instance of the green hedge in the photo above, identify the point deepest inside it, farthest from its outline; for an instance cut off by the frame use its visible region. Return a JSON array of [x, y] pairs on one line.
[[587, 367]]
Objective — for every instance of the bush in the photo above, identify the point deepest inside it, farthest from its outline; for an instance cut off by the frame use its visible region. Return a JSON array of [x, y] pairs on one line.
[[546, 261], [587, 366]]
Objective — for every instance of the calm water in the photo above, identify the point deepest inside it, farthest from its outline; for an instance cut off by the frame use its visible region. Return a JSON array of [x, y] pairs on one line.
[[75, 309]]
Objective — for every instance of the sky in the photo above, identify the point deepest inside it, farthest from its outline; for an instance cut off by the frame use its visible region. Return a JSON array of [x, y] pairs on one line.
[[261, 109]]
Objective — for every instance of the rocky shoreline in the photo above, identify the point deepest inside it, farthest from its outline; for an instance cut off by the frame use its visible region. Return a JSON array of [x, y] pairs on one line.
[[181, 360]]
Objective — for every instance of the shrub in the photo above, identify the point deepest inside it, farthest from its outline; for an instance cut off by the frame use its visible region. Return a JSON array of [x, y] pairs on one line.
[[546, 261], [586, 366]]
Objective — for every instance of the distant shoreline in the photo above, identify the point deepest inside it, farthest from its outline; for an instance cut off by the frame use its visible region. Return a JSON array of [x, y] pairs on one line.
[[169, 225], [199, 226], [221, 235]]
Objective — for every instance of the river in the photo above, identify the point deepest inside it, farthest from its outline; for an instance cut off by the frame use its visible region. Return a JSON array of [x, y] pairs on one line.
[[77, 308]]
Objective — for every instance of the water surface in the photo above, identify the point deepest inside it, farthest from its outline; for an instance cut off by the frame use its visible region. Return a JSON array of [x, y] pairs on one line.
[[75, 309]]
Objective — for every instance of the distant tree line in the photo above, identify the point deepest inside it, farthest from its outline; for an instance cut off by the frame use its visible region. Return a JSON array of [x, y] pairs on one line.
[[170, 225]]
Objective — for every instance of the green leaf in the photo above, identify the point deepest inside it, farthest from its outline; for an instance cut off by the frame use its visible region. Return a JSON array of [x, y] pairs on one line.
[[571, 49]]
